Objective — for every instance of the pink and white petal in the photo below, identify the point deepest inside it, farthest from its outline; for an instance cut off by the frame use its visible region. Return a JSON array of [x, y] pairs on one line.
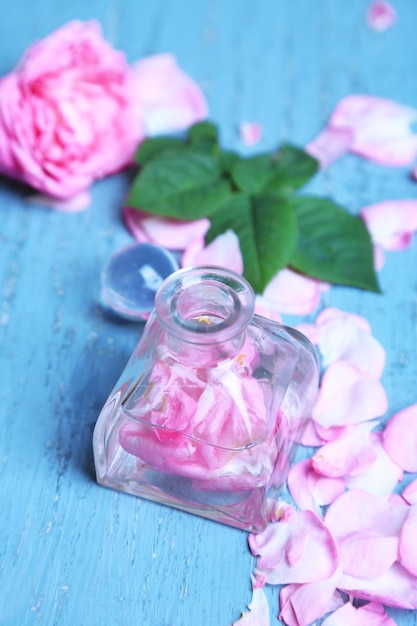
[[351, 453], [167, 97], [76, 203], [381, 477], [311, 436], [407, 551], [372, 614], [250, 133], [293, 293], [380, 15], [258, 614], [400, 438], [347, 337], [396, 587], [348, 396], [391, 223], [330, 145], [410, 492], [360, 512], [329, 434], [223, 251], [310, 331], [174, 234], [309, 490], [297, 549], [263, 308], [366, 556], [163, 231], [302, 604], [381, 128]]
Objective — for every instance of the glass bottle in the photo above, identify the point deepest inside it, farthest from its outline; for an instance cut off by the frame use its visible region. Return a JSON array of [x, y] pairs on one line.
[[206, 415]]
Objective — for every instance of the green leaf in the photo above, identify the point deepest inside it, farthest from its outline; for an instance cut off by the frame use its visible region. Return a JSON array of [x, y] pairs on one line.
[[280, 173], [203, 136], [332, 245], [184, 185], [267, 231], [149, 148], [293, 168]]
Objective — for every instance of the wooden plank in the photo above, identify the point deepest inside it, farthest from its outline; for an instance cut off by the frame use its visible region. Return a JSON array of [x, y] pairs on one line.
[[72, 552]]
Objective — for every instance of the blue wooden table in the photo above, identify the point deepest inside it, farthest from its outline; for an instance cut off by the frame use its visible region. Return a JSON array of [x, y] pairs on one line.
[[71, 552]]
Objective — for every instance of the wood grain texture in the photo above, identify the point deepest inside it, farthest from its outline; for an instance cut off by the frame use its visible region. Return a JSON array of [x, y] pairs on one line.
[[71, 552]]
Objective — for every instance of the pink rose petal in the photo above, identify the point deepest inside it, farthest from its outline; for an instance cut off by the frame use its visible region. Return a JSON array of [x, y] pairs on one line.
[[351, 453], [366, 529], [330, 145], [167, 98], [347, 337], [302, 604], [371, 614], [258, 614], [348, 396], [410, 492], [297, 549], [163, 231], [381, 476], [380, 15], [263, 308], [396, 587], [223, 251], [381, 128], [309, 489], [400, 438], [407, 552], [250, 132], [391, 223], [293, 293]]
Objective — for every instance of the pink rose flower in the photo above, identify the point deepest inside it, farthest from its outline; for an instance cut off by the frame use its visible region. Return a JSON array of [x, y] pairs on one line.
[[73, 111]]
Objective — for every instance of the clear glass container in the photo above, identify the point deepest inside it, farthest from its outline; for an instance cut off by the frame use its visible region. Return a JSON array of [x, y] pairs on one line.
[[206, 415]]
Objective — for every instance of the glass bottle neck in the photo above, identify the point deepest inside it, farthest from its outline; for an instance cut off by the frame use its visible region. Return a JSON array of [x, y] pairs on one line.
[[205, 312]]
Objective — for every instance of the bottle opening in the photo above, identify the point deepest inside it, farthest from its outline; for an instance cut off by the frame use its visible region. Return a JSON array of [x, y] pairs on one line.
[[205, 304]]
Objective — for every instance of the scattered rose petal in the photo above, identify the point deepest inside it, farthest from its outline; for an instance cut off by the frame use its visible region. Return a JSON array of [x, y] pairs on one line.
[[309, 489], [77, 203], [166, 97], [371, 614], [396, 587], [250, 132], [348, 396], [162, 231], [380, 15], [400, 438], [263, 308], [407, 552], [258, 614], [347, 337], [303, 604], [297, 549], [381, 128], [293, 293], [330, 145], [381, 477], [224, 251], [410, 492], [351, 453], [391, 223], [366, 529]]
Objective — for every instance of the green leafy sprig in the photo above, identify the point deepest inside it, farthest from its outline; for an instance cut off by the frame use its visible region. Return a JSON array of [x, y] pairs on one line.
[[255, 197]]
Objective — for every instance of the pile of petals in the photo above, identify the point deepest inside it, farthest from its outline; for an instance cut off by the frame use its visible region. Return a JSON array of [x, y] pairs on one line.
[[349, 541], [74, 111]]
